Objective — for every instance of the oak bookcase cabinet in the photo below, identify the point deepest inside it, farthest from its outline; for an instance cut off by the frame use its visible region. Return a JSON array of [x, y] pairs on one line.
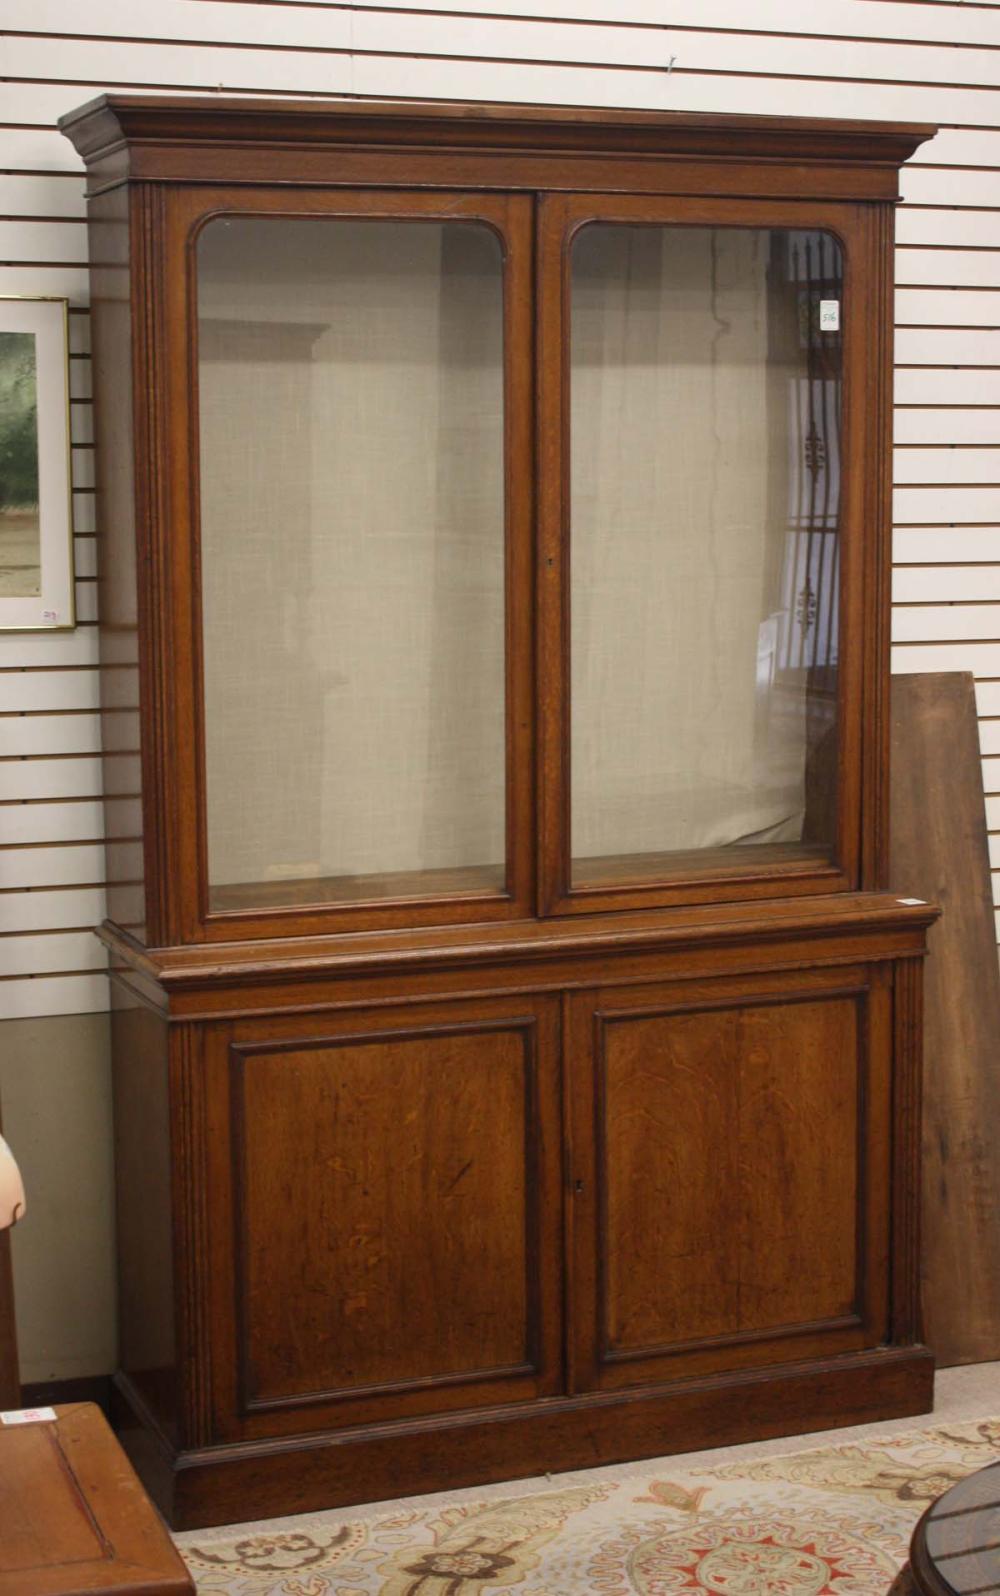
[[516, 1049]]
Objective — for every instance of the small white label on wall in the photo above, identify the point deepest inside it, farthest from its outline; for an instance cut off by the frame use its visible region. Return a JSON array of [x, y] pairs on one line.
[[829, 315], [28, 1416]]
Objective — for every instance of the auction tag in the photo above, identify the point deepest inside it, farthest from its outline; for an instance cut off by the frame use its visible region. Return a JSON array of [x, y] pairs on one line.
[[829, 315], [28, 1416]]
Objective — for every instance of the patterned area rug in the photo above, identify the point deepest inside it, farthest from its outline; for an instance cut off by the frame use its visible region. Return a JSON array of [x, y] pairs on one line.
[[828, 1522]]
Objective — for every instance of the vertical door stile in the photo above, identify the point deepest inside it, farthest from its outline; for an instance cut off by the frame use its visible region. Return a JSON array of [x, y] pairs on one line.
[[519, 476], [552, 346]]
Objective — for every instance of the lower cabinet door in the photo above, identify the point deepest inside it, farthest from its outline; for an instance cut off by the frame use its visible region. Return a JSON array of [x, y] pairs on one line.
[[385, 1213], [731, 1158]]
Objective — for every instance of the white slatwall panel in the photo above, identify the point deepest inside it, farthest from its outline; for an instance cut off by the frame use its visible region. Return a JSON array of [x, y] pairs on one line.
[[864, 58]]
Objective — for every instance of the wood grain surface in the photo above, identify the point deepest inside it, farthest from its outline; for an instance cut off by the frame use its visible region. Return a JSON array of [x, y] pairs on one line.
[[74, 1518], [939, 852], [404, 1253], [765, 1097], [409, 1261]]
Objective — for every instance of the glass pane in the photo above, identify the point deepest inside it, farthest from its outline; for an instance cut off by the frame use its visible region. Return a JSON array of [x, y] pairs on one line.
[[705, 469], [351, 415]]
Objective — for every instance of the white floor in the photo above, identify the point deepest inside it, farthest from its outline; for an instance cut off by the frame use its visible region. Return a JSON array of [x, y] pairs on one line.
[[972, 1392]]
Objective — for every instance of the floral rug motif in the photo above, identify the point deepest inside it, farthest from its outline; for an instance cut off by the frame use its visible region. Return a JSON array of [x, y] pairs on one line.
[[834, 1521]]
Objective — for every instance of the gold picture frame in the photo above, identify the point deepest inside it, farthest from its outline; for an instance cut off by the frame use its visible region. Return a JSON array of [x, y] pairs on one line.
[[36, 505]]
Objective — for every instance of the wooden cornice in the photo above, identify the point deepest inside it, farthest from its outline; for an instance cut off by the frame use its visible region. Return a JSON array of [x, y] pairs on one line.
[[122, 136]]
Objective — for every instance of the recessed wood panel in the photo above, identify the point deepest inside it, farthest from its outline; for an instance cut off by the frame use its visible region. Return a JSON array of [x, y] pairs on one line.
[[729, 1170], [385, 1199]]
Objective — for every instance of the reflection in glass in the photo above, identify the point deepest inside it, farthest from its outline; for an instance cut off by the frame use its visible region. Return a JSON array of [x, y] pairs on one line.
[[350, 409], [705, 470]]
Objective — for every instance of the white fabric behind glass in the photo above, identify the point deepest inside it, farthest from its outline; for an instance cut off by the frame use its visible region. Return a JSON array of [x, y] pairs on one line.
[[350, 392], [679, 495]]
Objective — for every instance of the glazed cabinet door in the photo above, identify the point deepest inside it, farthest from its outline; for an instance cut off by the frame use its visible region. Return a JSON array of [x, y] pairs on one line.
[[731, 1167], [349, 445], [384, 1198], [705, 532]]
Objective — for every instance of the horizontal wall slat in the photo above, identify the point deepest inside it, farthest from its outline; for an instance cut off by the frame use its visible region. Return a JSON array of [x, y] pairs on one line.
[[946, 465], [74, 864], [36, 649], [948, 307], [277, 23], [705, 89], [47, 690], [982, 659], [937, 385], [50, 953], [987, 699], [86, 602], [959, 267], [54, 242], [946, 186], [989, 737], [913, 545], [85, 556], [48, 911], [55, 994], [81, 460], [948, 346], [63, 282], [882, 18], [942, 623], [36, 734], [33, 195], [85, 503], [81, 420], [960, 146], [953, 228], [964, 584], [49, 778], [78, 819], [922, 505], [945, 426]]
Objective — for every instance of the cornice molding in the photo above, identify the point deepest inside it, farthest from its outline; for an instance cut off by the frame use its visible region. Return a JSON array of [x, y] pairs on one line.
[[114, 123]]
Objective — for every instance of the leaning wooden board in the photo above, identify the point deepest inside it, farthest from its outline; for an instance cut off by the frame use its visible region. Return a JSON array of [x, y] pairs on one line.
[[74, 1520], [939, 851]]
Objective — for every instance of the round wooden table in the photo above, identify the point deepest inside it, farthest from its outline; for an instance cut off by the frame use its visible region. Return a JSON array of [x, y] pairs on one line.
[[955, 1550]]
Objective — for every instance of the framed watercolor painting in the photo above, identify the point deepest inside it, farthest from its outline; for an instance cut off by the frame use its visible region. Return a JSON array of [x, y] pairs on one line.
[[36, 521]]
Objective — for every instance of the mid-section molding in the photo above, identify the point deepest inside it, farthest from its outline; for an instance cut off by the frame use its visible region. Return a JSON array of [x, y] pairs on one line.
[[201, 966]]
